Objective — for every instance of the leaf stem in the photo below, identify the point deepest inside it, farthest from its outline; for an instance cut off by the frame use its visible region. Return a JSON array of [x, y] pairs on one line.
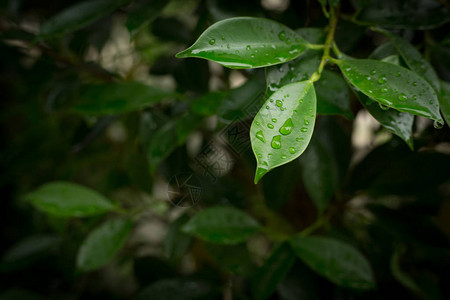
[[328, 42], [316, 47], [314, 226]]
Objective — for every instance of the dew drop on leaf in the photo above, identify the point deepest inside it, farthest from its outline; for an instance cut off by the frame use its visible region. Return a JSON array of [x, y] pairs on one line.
[[276, 142], [212, 41], [270, 126], [248, 47], [282, 35], [437, 124], [274, 120], [382, 79], [283, 156], [304, 129], [260, 136], [402, 97], [279, 103], [291, 150], [383, 107], [287, 127]]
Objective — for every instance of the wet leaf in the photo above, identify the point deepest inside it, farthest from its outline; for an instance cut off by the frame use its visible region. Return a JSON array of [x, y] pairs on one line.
[[67, 199], [222, 225], [78, 16], [335, 260], [392, 86], [246, 42], [283, 127], [102, 244], [444, 101]]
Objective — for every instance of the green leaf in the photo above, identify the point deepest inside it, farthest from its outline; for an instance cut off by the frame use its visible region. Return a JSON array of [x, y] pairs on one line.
[[283, 127], [444, 101], [208, 104], [266, 279], [414, 60], [116, 98], [333, 96], [247, 42], [392, 86], [176, 242], [222, 225], [102, 244], [142, 14], [232, 258], [78, 16], [319, 173], [67, 199], [335, 260]]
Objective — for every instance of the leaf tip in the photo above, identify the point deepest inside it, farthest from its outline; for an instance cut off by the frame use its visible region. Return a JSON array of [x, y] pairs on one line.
[[260, 172], [183, 54]]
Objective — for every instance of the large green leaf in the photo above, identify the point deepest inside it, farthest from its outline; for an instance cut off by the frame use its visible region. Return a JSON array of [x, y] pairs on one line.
[[102, 244], [222, 225], [333, 96], [77, 17], [247, 42], [67, 199], [283, 127], [335, 260], [143, 13], [116, 98], [275, 268], [392, 86], [444, 101], [415, 61]]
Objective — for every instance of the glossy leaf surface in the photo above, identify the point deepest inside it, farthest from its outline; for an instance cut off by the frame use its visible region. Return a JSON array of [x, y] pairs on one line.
[[247, 42], [102, 244], [444, 101], [283, 127], [116, 98], [392, 86], [333, 96], [77, 17], [335, 260], [222, 225], [415, 61], [275, 268], [67, 199]]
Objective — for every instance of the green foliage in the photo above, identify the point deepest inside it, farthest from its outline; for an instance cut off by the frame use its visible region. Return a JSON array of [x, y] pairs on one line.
[[129, 169]]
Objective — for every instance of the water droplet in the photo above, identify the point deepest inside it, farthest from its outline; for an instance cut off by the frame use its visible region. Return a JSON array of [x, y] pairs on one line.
[[248, 47], [348, 69], [223, 38], [373, 72], [276, 142], [260, 155], [287, 127], [279, 103], [260, 136], [288, 41], [431, 102], [383, 107], [304, 129], [252, 56], [265, 163], [228, 46], [291, 150], [438, 124], [212, 41], [271, 100], [282, 35], [397, 74], [299, 139], [270, 125], [384, 90], [368, 77], [283, 156], [282, 108], [370, 91], [257, 123], [402, 97], [414, 83], [306, 122], [382, 79], [274, 120], [267, 106], [414, 97]]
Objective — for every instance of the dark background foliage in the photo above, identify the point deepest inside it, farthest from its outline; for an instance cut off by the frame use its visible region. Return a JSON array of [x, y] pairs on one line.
[[189, 119]]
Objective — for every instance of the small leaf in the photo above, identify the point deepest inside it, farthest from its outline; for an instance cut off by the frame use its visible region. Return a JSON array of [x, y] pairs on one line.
[[335, 260], [102, 244], [283, 127], [414, 60], [78, 16], [222, 225], [67, 199], [247, 42], [266, 279], [392, 86], [29, 249], [116, 98], [444, 101], [143, 13], [333, 96], [176, 242]]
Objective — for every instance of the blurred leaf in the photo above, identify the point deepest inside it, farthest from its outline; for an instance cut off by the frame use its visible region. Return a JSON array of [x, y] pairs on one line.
[[232, 258], [176, 242], [246, 42], [102, 244], [312, 35], [416, 14], [291, 109], [444, 101], [116, 98], [171, 29], [208, 104], [383, 51], [222, 225], [399, 274], [414, 60], [319, 173], [333, 97], [67, 199], [335, 260], [385, 83], [77, 17], [143, 13], [137, 170], [277, 265], [16, 294], [178, 289]]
